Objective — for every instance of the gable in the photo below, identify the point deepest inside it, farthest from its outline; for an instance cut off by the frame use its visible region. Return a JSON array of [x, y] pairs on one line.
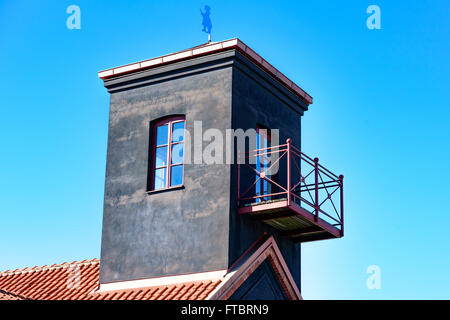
[[262, 284], [258, 274]]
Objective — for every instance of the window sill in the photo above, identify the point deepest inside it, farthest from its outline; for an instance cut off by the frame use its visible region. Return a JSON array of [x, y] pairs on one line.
[[165, 189]]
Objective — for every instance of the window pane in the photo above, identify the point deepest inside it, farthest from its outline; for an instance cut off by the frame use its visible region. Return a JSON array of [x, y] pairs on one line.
[[161, 157], [161, 135], [177, 153], [178, 132], [176, 175], [160, 178]]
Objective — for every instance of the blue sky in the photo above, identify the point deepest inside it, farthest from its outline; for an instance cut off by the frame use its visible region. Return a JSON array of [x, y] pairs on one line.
[[380, 117]]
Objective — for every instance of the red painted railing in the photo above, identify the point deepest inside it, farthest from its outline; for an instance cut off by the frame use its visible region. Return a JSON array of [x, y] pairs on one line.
[[300, 180]]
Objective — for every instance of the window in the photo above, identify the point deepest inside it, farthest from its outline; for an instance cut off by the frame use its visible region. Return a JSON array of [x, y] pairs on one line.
[[168, 153], [262, 186]]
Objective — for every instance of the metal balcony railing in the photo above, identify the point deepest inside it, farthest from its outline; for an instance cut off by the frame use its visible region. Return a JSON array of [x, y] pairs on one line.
[[284, 173]]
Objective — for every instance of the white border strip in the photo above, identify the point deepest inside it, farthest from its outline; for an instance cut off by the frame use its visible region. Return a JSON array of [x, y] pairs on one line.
[[209, 47], [213, 46], [161, 281]]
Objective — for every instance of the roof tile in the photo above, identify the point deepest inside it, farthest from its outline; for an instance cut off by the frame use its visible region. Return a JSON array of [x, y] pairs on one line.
[[78, 280]]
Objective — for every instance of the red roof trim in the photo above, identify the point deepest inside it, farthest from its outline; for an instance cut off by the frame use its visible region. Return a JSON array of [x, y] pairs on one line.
[[263, 248], [207, 49]]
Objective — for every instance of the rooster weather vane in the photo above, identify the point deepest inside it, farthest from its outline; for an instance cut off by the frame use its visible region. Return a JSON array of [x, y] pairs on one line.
[[206, 21]]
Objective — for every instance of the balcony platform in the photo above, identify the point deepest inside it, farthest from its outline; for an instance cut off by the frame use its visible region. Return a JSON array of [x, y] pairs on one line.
[[291, 220], [302, 199]]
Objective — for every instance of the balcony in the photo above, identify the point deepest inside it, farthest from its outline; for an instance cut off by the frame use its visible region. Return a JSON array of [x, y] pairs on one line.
[[286, 189]]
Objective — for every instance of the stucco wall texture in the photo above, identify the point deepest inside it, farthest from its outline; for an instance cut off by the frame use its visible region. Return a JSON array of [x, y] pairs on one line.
[[195, 228], [179, 231]]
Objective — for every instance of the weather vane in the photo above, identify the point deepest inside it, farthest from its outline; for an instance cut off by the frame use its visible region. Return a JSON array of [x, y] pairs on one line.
[[206, 22]]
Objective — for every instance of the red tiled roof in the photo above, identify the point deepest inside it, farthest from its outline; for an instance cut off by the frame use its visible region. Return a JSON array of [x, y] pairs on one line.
[[9, 296], [55, 282], [198, 290], [79, 280]]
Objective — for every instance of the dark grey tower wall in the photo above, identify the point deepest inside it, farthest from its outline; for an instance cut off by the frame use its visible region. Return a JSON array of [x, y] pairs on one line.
[[258, 100], [173, 232], [197, 228]]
